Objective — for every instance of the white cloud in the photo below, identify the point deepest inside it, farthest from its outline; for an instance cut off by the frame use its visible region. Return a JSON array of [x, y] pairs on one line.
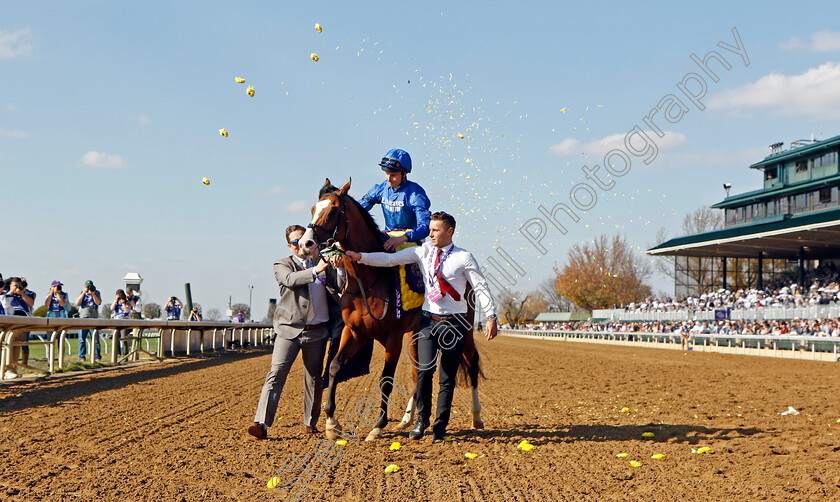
[[14, 44], [565, 147], [294, 207], [601, 146], [103, 160], [792, 43], [143, 119], [4, 133], [825, 41], [815, 92]]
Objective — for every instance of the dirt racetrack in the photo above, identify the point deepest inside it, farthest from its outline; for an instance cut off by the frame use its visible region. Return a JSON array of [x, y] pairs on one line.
[[176, 431]]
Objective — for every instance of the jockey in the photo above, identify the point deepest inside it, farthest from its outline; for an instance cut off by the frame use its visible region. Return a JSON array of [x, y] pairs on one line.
[[404, 203]]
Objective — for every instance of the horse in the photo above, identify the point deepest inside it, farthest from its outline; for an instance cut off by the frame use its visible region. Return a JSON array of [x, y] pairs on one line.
[[368, 305]]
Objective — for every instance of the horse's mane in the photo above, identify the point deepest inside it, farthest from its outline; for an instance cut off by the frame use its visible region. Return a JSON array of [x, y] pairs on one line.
[[368, 219]]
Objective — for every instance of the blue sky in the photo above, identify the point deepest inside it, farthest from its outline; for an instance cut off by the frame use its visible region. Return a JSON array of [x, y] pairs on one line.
[[110, 111]]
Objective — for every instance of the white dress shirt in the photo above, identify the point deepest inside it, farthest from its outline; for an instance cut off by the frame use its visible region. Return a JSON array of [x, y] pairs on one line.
[[458, 268]]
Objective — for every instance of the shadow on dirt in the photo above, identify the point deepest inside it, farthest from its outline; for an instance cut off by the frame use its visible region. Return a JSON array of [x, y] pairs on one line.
[[54, 391], [662, 433]]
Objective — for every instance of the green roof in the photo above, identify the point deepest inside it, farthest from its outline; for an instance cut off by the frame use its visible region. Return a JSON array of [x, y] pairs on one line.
[[562, 316], [797, 152], [761, 194]]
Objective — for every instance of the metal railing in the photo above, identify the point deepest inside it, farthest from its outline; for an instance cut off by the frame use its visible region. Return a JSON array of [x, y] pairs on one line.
[[172, 337], [764, 313], [802, 347]]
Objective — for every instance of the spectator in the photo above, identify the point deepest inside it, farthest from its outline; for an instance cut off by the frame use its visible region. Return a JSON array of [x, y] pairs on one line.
[[195, 315], [173, 309], [88, 303], [56, 302], [136, 304], [240, 317], [121, 309], [18, 302]]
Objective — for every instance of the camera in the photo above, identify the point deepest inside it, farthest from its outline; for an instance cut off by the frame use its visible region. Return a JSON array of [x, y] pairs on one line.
[[58, 288], [172, 299]]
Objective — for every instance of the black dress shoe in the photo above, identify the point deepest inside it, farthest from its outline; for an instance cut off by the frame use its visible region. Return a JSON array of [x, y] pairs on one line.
[[417, 431]]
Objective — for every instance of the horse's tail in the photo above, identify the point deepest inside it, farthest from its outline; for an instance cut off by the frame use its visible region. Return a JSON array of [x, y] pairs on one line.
[[470, 366]]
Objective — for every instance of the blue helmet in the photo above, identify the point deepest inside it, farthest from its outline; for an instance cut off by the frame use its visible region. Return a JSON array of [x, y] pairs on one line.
[[396, 160]]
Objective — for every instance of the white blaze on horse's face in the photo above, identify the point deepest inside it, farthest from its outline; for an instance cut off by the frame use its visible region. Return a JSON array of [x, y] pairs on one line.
[[308, 239]]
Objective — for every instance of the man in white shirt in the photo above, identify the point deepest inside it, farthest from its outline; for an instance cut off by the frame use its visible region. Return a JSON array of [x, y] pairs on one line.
[[446, 269]]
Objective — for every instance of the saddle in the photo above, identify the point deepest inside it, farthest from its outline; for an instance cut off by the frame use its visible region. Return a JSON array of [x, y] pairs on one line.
[[410, 289]]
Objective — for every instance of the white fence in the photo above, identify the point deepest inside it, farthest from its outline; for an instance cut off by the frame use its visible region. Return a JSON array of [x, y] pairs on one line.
[[171, 337], [817, 348], [768, 313]]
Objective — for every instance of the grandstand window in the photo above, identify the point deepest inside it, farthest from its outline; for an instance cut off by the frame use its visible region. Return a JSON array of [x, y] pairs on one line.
[[748, 213], [825, 195], [740, 217], [770, 173], [758, 210], [825, 160], [783, 205], [730, 217], [800, 203], [770, 207], [801, 166], [827, 198]]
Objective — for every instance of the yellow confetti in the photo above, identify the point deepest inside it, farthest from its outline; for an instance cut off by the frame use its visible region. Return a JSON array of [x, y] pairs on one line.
[[250, 91], [205, 181], [447, 439], [635, 463], [468, 178], [625, 410], [318, 28], [314, 57], [647, 434], [704, 449], [838, 420], [239, 80], [392, 468], [272, 483], [657, 456], [460, 135], [341, 442], [563, 110], [395, 446], [223, 132], [527, 447], [621, 455], [470, 455]]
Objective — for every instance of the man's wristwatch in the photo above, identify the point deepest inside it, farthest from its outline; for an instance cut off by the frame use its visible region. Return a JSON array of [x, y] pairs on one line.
[[492, 317]]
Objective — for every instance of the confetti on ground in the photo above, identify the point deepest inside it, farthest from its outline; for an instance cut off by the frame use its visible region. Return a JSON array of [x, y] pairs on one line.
[[657, 456], [272, 483], [635, 463], [470, 455], [647, 434], [449, 439], [239, 80], [314, 57], [392, 468], [250, 90], [621, 455], [223, 132], [838, 420], [205, 181], [341, 442], [395, 446], [318, 28], [625, 410], [704, 449], [524, 445]]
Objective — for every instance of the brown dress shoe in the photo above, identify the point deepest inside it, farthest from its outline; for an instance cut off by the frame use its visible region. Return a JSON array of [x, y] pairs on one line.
[[258, 431], [310, 429]]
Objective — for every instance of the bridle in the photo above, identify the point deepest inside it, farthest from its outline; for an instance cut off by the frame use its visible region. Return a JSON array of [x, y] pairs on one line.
[[315, 228]]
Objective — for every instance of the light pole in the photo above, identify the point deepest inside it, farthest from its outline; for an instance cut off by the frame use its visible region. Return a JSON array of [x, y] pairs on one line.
[[250, 292]]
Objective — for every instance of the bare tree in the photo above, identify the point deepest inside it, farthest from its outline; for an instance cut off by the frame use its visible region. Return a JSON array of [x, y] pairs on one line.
[[151, 310], [511, 306], [213, 315], [547, 292]]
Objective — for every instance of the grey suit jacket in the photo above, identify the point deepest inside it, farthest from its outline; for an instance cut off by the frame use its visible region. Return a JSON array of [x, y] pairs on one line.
[[294, 304]]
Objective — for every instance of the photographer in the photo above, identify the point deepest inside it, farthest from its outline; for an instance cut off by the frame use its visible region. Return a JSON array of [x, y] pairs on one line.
[[88, 303], [136, 304], [121, 309], [19, 302], [195, 315], [56, 301], [173, 309]]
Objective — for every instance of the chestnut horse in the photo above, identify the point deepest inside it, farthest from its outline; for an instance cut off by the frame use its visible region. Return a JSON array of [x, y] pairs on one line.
[[369, 306]]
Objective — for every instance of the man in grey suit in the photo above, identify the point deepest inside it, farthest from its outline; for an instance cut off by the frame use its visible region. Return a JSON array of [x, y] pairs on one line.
[[301, 321]]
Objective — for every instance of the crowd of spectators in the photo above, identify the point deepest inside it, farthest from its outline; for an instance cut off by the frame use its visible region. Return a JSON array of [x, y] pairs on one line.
[[804, 327]]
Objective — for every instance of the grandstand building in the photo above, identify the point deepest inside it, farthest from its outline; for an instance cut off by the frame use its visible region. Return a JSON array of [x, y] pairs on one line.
[[783, 231]]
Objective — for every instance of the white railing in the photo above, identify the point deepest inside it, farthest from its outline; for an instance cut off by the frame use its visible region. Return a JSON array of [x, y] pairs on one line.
[[172, 337], [802, 347], [764, 313]]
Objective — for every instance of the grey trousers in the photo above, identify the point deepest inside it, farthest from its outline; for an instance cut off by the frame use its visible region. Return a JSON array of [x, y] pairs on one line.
[[313, 344]]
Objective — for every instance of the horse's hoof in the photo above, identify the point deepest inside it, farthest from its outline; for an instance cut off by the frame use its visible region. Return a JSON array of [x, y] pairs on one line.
[[403, 425], [477, 423], [374, 435], [329, 432]]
